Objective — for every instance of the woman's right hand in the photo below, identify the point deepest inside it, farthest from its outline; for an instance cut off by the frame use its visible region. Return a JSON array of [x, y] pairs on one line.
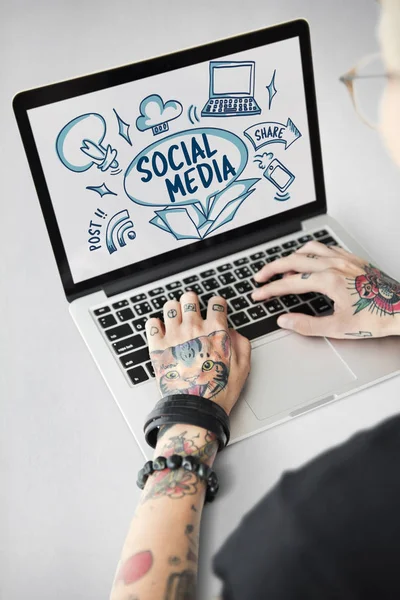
[[366, 300]]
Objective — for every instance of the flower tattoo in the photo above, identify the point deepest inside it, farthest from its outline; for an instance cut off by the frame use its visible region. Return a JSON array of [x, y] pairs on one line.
[[377, 291]]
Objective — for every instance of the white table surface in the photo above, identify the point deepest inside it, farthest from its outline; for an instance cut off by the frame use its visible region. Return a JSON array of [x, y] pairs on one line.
[[68, 461]]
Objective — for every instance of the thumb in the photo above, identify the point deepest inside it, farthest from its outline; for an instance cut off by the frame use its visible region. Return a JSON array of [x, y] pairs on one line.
[[306, 325]]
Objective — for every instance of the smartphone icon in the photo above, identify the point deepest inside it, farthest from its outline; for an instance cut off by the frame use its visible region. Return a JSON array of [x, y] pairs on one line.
[[279, 175]]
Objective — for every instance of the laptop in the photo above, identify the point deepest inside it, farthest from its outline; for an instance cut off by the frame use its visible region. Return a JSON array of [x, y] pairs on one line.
[[143, 199], [232, 85]]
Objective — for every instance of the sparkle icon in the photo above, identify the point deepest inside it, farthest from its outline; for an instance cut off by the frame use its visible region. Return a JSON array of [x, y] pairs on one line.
[[102, 189], [272, 91], [123, 128]]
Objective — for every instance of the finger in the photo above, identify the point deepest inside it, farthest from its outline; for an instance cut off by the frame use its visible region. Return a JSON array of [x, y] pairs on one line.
[[155, 332], [217, 311], [289, 273], [298, 262], [295, 284], [172, 315], [309, 326], [314, 247], [190, 308]]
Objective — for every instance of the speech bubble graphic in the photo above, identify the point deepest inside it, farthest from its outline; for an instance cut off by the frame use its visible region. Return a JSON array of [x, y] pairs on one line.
[[185, 168]]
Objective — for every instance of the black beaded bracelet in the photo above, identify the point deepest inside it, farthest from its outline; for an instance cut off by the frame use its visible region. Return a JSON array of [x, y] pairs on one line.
[[177, 461]]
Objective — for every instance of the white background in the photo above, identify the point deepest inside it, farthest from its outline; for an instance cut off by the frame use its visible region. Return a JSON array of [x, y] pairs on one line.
[[68, 461], [75, 205]]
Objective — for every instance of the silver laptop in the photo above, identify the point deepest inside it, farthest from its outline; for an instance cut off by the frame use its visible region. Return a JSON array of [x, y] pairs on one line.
[[145, 196]]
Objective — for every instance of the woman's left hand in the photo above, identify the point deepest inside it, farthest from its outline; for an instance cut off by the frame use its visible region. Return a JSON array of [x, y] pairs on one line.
[[192, 355]]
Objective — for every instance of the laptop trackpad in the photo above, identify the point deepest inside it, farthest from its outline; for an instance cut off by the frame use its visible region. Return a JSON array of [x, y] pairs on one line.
[[291, 371]]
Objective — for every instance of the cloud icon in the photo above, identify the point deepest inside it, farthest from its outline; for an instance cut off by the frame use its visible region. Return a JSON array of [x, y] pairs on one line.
[[155, 115]]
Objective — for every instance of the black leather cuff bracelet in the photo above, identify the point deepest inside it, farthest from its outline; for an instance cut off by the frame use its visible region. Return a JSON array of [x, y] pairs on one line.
[[188, 410]]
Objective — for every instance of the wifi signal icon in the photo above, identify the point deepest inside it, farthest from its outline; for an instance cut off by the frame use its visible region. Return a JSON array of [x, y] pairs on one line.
[[192, 114], [119, 228]]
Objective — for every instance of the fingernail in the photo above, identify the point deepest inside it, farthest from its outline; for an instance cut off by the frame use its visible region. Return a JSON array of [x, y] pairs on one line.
[[285, 321]]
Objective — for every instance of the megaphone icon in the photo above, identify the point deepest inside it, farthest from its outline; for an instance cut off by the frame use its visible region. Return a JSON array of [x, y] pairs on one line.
[[82, 139]]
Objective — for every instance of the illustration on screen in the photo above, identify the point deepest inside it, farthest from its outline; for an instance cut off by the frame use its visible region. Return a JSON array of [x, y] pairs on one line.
[[119, 225], [231, 90], [272, 91], [79, 145], [156, 115], [102, 190], [270, 132], [123, 128]]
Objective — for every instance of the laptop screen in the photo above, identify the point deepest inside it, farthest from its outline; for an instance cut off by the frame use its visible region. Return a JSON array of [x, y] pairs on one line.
[[150, 166]]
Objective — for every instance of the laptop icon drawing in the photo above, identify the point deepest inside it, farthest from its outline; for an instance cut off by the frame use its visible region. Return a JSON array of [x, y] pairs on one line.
[[231, 90]]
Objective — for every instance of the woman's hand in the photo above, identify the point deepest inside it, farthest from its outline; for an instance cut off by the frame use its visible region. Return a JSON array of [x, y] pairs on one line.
[[191, 355], [366, 300]]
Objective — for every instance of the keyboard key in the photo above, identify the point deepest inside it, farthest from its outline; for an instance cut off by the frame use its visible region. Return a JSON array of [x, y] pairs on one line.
[[107, 321], [259, 328], [175, 295], [223, 268], [290, 300], [157, 315], [328, 241], [190, 279], [125, 315], [321, 305], [290, 244], [137, 375], [150, 369], [208, 273], [239, 303], [118, 332], [239, 319], [159, 302], [272, 258], [227, 278], [287, 252], [120, 304], [257, 266], [227, 292], [156, 292], [257, 312], [143, 308], [320, 234], [139, 324], [101, 311], [243, 272], [210, 284], [304, 239], [174, 285], [135, 358], [273, 306], [241, 261], [273, 250], [304, 309], [128, 344], [257, 255], [308, 296], [195, 287], [206, 297], [243, 287], [138, 298], [256, 283]]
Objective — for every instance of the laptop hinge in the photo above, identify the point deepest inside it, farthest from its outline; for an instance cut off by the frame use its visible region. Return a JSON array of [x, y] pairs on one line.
[[204, 256]]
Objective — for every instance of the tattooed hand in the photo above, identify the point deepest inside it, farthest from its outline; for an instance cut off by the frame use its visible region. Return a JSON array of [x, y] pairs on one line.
[[366, 300], [195, 356]]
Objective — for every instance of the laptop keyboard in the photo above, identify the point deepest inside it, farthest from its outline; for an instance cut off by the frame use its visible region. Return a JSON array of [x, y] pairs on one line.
[[123, 322]]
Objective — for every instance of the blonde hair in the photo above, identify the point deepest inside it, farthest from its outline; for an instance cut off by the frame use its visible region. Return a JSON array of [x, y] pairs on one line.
[[389, 33]]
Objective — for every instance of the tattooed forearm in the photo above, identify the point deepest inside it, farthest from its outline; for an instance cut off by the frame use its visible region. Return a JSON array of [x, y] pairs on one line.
[[200, 366], [376, 291], [193, 544]]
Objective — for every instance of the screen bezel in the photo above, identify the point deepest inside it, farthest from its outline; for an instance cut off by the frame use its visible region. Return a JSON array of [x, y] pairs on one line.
[[233, 239]]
